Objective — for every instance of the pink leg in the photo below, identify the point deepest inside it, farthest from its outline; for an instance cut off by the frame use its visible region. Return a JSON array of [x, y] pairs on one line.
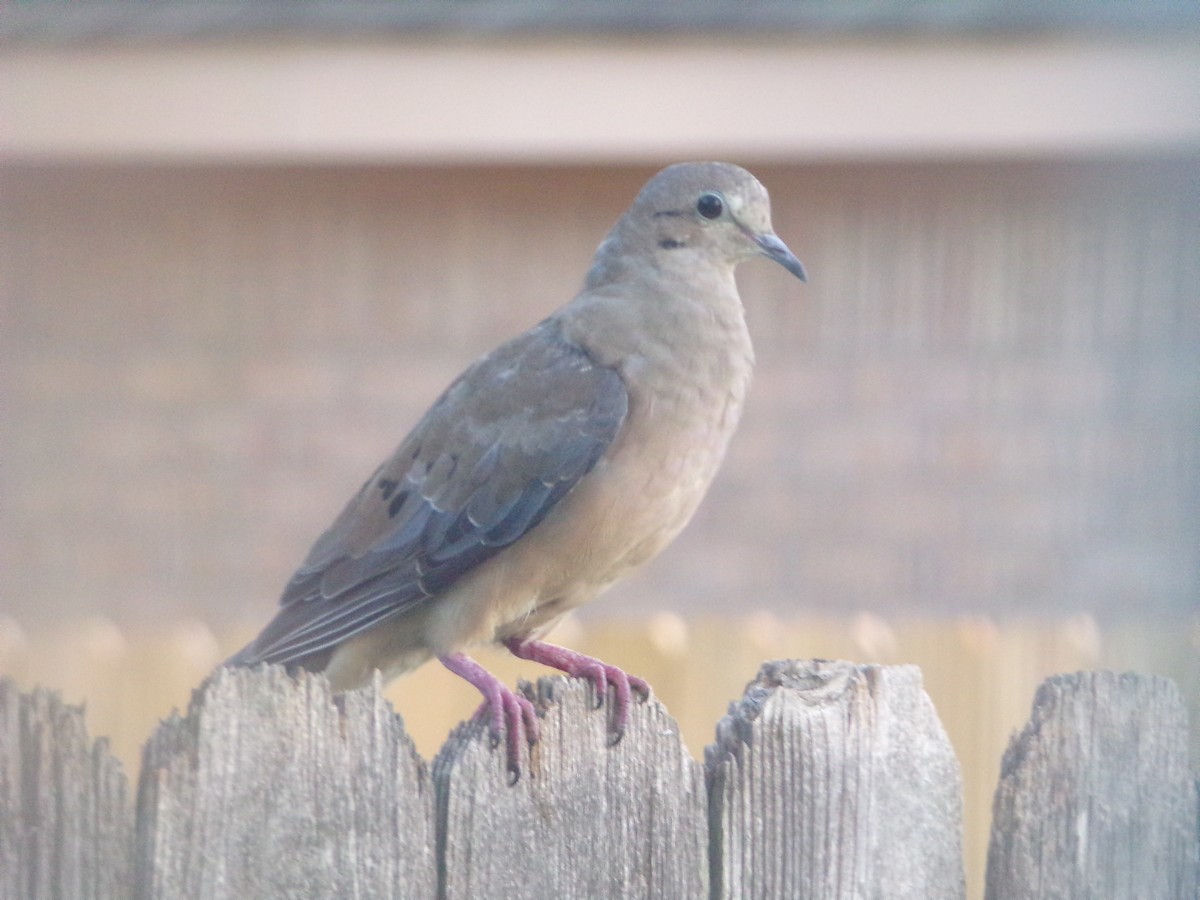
[[507, 713], [601, 675]]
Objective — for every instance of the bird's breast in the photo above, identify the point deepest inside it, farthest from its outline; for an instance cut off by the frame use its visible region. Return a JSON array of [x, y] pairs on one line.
[[685, 400]]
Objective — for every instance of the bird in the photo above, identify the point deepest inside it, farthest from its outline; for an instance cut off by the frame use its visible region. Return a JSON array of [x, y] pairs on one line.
[[550, 468]]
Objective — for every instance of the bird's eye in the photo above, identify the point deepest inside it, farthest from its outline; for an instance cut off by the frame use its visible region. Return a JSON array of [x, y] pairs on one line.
[[710, 206]]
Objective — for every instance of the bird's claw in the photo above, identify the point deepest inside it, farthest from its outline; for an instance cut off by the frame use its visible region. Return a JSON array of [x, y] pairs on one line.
[[508, 714], [507, 720], [601, 676]]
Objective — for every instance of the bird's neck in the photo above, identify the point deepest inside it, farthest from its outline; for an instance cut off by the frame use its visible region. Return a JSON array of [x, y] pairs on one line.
[[690, 328]]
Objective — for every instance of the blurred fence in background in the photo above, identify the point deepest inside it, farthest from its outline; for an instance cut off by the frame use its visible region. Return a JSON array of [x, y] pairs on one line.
[[980, 674], [986, 401]]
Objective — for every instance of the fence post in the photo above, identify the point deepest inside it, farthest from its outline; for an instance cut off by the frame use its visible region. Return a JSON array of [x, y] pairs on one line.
[[830, 779], [65, 822], [584, 819], [268, 788], [1095, 796]]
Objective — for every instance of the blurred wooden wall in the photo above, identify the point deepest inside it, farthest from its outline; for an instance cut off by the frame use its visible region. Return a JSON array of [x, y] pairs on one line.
[[981, 674], [986, 399]]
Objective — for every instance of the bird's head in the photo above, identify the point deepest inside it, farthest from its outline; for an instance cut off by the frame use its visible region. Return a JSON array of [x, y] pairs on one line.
[[709, 209]]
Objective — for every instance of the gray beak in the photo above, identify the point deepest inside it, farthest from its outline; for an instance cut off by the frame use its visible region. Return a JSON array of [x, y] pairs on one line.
[[777, 250]]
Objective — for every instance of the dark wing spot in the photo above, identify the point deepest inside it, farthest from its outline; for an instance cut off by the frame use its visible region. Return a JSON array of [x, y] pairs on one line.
[[398, 501], [387, 487], [671, 244]]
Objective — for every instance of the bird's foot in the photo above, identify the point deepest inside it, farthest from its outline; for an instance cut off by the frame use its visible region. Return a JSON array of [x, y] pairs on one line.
[[507, 714], [600, 674]]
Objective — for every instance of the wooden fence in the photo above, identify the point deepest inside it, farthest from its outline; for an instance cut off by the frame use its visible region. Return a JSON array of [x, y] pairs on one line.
[[826, 780]]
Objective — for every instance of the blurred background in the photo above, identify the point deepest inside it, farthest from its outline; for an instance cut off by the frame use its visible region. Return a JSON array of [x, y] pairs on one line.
[[244, 246]]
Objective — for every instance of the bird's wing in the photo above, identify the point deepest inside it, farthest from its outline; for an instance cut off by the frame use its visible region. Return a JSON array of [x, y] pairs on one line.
[[505, 443]]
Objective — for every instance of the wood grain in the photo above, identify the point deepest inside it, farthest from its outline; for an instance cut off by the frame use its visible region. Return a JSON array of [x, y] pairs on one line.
[[1096, 798], [270, 788], [830, 779], [585, 819], [65, 822]]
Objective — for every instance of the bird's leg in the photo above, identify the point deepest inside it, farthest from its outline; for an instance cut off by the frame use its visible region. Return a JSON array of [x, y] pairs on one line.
[[507, 713], [600, 674]]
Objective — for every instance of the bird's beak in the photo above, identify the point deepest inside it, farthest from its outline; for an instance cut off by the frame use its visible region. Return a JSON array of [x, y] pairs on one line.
[[773, 248]]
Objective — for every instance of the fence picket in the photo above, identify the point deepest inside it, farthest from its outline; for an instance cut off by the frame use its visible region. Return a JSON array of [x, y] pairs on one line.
[[65, 825], [1095, 796], [829, 780], [585, 819], [270, 788]]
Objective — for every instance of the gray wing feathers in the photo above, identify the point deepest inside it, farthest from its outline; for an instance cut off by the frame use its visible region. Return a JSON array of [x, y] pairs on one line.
[[502, 446]]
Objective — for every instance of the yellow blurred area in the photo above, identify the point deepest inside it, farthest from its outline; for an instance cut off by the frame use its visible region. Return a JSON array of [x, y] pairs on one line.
[[981, 674]]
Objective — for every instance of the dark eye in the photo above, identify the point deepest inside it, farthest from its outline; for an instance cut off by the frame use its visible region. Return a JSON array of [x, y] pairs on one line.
[[710, 206]]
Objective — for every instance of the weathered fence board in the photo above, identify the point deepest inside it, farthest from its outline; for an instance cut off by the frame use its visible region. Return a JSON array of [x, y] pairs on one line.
[[268, 788], [834, 780], [1095, 796], [827, 780], [65, 824], [585, 819]]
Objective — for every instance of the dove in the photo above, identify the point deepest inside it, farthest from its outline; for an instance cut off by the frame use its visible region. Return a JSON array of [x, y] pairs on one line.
[[553, 466]]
